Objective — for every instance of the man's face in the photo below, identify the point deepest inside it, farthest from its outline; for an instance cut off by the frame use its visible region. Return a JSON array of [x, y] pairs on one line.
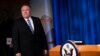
[[26, 11]]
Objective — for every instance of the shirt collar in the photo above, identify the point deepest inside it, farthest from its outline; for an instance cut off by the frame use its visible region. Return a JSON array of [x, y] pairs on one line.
[[28, 18]]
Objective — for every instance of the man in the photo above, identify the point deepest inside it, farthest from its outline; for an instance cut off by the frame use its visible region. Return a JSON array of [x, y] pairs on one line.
[[28, 35], [49, 30]]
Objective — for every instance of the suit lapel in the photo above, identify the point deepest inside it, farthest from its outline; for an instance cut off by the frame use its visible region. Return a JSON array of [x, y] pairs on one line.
[[34, 23], [26, 25]]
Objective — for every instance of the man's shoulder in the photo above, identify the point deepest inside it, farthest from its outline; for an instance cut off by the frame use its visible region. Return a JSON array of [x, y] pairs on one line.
[[18, 20], [21, 18], [34, 17]]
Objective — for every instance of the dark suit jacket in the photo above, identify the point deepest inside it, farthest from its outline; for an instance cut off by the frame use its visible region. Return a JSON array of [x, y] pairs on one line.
[[26, 42]]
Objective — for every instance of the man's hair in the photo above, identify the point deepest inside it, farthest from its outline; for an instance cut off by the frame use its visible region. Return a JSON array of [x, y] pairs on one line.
[[26, 5]]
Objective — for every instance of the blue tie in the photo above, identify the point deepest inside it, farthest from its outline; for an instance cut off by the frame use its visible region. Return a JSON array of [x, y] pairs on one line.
[[29, 24]]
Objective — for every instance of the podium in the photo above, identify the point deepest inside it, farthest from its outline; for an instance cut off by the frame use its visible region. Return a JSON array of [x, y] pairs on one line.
[[84, 50]]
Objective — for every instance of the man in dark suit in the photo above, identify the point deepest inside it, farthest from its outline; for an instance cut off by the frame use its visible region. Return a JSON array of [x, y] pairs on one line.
[[28, 35]]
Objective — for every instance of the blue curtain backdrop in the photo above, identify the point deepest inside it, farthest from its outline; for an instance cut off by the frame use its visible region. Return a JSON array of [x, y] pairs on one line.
[[76, 20]]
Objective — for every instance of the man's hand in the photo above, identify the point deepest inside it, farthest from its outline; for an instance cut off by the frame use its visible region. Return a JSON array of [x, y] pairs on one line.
[[18, 54], [46, 52], [11, 46]]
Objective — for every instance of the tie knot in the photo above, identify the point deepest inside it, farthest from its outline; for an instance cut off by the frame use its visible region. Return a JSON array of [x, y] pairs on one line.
[[28, 20]]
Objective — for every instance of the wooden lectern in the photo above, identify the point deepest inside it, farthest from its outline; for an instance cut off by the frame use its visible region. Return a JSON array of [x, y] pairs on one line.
[[83, 50]]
